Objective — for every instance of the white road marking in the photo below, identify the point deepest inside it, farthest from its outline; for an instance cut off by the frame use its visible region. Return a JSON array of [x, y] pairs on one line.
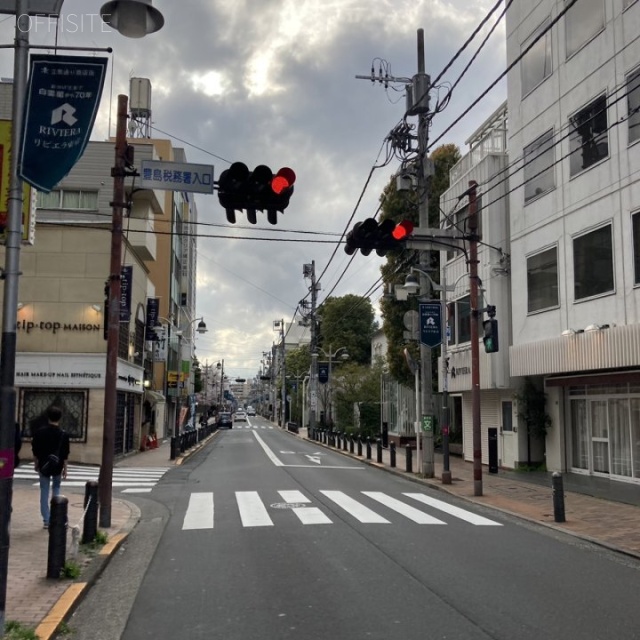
[[272, 456], [306, 515], [253, 513], [315, 459], [404, 509], [467, 516], [199, 513], [147, 490], [355, 508]]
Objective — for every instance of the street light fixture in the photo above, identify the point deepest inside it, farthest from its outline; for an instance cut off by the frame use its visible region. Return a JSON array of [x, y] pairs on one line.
[[132, 18]]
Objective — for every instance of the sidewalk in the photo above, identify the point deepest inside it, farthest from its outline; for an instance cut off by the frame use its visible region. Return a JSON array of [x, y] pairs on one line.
[[613, 522]]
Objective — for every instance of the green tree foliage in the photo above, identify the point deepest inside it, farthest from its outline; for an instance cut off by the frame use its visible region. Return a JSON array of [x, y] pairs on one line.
[[347, 321], [197, 375], [404, 206]]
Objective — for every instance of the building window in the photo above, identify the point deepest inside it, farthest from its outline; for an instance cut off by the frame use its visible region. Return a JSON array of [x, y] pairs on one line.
[[542, 280], [582, 22], [633, 105], [538, 167], [593, 263], [589, 142], [536, 64], [463, 320], [35, 402], [636, 247], [459, 219], [507, 416], [68, 199]]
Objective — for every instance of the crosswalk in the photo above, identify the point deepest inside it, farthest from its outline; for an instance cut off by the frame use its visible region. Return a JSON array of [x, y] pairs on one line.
[[365, 508], [126, 479], [251, 426]]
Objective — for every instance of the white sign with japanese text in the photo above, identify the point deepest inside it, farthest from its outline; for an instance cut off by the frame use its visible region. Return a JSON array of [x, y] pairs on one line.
[[176, 176]]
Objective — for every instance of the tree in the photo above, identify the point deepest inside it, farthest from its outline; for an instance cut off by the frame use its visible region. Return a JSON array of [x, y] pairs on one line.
[[347, 321], [197, 375], [404, 206]]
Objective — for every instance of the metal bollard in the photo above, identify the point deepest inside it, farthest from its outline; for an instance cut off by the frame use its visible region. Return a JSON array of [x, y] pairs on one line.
[[345, 441], [352, 443], [90, 521], [392, 454], [558, 497], [368, 448], [57, 553], [409, 460], [379, 451], [173, 451], [360, 445]]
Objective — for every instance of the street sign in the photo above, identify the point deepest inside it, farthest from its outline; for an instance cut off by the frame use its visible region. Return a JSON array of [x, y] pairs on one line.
[[176, 176], [427, 424], [323, 372], [431, 323]]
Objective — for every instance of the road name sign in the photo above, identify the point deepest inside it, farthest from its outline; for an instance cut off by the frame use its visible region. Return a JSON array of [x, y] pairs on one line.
[[176, 176]]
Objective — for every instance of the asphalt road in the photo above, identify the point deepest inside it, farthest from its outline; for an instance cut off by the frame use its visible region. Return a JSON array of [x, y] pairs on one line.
[[264, 536]]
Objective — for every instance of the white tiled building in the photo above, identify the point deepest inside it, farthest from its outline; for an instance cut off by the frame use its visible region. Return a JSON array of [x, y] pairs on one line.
[[574, 123]]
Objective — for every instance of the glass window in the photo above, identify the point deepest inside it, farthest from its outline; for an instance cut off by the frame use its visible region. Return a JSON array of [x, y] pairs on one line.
[[589, 142], [68, 199], [49, 200], [536, 64], [636, 247], [593, 263], [463, 320], [538, 166], [542, 280], [633, 105], [35, 402], [459, 219], [507, 416], [583, 21]]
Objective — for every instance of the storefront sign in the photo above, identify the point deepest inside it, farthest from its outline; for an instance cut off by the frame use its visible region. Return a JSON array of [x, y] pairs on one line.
[[153, 318], [54, 327], [126, 285], [160, 345]]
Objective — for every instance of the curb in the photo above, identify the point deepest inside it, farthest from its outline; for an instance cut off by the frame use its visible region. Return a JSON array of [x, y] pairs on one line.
[[70, 599], [441, 487]]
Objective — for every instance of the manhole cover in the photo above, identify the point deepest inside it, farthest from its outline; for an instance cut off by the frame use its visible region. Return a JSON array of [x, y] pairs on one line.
[[288, 505]]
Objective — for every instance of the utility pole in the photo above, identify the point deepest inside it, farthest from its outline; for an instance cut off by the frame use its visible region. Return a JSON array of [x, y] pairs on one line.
[[420, 107], [475, 347], [118, 172], [283, 390], [310, 271]]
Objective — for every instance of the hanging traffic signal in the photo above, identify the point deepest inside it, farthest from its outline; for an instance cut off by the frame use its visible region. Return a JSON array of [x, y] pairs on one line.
[[490, 338], [259, 190], [383, 237]]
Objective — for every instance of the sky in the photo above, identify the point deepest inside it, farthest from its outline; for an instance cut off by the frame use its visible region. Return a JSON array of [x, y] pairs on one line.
[[273, 82]]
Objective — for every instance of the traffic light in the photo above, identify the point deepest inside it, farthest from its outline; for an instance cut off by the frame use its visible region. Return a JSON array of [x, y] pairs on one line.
[[383, 237], [258, 190], [490, 337]]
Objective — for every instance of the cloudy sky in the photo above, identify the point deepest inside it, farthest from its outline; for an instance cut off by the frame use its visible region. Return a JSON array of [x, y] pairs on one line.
[[273, 82]]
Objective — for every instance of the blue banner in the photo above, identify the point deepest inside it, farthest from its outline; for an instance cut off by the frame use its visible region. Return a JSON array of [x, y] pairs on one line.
[[63, 96], [323, 372], [126, 283], [153, 318], [431, 323]]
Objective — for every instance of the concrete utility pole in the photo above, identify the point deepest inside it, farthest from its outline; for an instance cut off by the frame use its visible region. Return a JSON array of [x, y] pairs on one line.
[[310, 270], [475, 347]]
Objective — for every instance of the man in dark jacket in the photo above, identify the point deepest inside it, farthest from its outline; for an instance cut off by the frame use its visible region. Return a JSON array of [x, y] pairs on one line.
[[50, 440]]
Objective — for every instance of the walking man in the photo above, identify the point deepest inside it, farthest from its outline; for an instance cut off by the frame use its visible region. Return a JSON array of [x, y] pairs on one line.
[[50, 446]]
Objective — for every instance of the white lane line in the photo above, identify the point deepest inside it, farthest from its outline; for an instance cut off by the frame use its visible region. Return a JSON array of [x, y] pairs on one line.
[[253, 513], [355, 508], [148, 490], [272, 456], [404, 509], [467, 516], [199, 512], [306, 515]]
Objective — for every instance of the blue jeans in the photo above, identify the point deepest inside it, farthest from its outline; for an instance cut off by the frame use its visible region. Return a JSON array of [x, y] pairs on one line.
[[44, 494]]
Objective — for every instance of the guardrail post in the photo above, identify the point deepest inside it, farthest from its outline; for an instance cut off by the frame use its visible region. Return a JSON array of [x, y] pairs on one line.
[[379, 451], [558, 497], [57, 553], [392, 454], [90, 520], [409, 460]]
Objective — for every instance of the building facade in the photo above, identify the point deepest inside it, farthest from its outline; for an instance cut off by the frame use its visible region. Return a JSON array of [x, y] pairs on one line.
[[574, 126]]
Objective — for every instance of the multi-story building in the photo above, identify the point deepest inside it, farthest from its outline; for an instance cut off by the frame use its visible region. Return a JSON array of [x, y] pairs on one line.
[[574, 127], [61, 350], [485, 164]]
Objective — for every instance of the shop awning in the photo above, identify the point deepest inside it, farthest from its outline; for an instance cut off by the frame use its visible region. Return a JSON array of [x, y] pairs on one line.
[[153, 396]]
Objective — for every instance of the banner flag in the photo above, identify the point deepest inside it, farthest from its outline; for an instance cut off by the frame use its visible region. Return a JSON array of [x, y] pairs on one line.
[[63, 96]]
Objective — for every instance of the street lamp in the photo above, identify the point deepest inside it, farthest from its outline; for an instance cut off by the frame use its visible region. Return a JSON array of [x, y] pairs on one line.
[[412, 286], [220, 365], [331, 356]]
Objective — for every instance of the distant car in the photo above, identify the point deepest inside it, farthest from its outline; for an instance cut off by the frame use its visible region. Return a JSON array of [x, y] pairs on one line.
[[240, 416], [251, 411], [224, 420]]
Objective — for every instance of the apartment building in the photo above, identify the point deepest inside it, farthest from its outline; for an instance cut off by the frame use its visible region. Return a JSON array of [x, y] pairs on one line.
[[574, 200]]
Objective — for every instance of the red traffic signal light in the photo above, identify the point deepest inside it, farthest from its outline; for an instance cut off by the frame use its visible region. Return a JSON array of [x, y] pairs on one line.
[[403, 230], [283, 180]]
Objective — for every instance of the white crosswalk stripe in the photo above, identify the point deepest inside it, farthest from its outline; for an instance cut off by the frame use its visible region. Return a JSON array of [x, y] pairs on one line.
[[254, 512], [131, 479]]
